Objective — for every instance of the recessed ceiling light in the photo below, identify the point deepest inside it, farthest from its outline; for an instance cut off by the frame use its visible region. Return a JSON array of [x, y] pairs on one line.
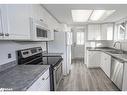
[[81, 15]]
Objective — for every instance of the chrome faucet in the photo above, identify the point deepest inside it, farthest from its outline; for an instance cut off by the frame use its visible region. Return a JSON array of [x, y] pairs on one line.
[[120, 45]]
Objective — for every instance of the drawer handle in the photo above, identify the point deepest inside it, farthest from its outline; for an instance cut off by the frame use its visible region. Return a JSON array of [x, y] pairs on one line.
[[6, 34], [1, 34], [45, 78], [41, 20]]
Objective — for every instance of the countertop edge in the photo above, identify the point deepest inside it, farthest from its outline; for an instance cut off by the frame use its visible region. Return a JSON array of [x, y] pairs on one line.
[[101, 50]]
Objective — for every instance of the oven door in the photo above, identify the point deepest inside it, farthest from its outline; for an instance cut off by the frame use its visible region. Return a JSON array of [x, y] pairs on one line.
[[58, 75]]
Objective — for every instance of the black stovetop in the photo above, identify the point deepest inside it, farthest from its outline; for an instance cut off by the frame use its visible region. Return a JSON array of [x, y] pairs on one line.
[[53, 61]]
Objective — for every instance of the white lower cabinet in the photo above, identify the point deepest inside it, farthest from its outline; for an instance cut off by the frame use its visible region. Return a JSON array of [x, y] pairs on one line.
[[99, 59], [93, 59], [105, 63], [42, 84]]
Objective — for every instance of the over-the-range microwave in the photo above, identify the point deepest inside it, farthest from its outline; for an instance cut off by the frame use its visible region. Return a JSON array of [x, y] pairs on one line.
[[39, 30]]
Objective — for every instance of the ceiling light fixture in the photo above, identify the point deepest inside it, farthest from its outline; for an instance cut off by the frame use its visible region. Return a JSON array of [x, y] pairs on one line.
[[107, 14], [81, 15], [91, 15], [97, 14]]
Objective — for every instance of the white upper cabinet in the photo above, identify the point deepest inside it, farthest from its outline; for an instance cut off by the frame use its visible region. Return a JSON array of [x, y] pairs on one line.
[[94, 32], [107, 32], [15, 21], [37, 12], [3, 22], [100, 32], [1, 28], [18, 21]]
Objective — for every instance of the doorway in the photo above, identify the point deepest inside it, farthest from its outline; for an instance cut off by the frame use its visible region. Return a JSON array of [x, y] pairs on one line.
[[78, 43]]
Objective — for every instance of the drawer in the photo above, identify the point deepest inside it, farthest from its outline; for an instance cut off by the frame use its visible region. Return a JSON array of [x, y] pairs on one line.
[[45, 75], [42, 84]]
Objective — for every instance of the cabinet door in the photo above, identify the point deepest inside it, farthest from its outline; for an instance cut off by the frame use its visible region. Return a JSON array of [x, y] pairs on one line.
[[3, 22], [106, 63], [104, 32], [42, 84], [37, 12], [18, 21], [107, 32], [93, 60], [1, 28], [94, 32]]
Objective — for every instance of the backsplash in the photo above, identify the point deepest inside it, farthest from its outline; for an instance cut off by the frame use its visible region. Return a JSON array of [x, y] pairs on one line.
[[9, 47], [99, 43]]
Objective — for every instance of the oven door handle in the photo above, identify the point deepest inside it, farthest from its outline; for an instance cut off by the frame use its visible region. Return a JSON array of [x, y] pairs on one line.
[[60, 60], [57, 66]]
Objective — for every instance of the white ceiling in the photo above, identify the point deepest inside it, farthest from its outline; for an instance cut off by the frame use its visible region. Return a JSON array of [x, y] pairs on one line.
[[62, 12]]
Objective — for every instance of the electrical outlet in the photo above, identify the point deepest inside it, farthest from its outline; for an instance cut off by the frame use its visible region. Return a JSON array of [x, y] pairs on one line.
[[9, 55]]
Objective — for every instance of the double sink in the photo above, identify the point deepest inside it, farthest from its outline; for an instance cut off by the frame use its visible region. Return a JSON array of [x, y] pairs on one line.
[[118, 54]]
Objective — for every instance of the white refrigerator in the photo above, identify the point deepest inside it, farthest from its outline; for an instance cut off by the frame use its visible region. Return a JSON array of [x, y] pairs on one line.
[[62, 44]]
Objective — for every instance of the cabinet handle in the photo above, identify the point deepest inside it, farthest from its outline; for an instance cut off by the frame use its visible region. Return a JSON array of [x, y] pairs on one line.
[[7, 34], [45, 78], [1, 34], [41, 20]]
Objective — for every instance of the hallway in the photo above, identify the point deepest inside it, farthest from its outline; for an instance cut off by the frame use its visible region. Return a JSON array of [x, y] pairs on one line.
[[83, 79]]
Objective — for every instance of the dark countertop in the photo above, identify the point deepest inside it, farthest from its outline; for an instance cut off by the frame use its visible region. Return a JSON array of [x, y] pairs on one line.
[[21, 77], [121, 57]]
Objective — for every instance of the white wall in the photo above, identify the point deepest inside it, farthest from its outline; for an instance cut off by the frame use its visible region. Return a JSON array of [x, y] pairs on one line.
[[103, 43], [11, 46]]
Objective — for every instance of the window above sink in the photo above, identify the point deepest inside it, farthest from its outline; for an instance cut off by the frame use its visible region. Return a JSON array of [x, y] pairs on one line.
[[120, 33]]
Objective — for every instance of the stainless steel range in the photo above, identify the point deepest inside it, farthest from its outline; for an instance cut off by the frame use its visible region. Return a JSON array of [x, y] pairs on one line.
[[33, 56]]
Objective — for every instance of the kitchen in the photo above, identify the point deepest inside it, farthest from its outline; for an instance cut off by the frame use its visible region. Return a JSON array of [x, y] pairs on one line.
[[37, 45]]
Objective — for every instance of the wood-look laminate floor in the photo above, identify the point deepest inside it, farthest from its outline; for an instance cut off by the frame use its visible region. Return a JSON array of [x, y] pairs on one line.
[[83, 79]]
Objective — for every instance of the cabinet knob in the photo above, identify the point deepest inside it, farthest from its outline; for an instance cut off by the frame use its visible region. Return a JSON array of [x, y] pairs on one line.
[[1, 34], [45, 78], [41, 20], [7, 34]]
